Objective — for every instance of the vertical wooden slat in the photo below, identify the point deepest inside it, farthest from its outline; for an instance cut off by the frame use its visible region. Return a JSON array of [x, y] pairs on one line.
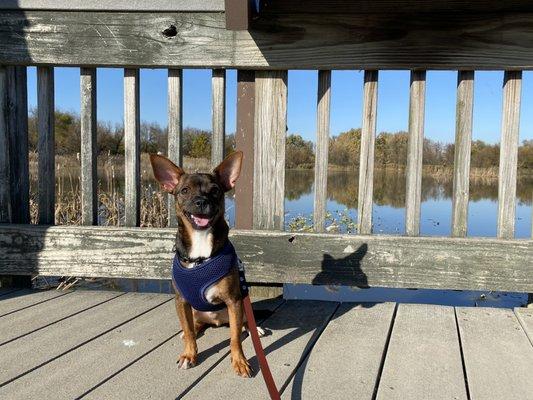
[[175, 129], [46, 144], [463, 144], [17, 125], [244, 140], [89, 177], [238, 14], [414, 152], [321, 153], [512, 86], [366, 163], [269, 163], [132, 142], [218, 85], [5, 198]]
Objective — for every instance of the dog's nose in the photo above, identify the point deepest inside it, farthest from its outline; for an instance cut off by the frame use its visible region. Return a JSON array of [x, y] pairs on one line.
[[200, 202]]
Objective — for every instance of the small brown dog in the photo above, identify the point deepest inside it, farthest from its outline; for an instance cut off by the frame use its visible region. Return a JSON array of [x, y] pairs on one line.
[[202, 233]]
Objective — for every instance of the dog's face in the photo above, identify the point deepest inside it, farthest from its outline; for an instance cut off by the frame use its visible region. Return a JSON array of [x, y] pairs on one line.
[[199, 197]]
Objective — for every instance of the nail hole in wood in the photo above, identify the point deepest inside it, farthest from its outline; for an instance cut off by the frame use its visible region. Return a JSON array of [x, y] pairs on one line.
[[169, 32]]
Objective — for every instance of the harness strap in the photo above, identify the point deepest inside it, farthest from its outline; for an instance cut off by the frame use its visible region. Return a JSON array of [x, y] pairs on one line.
[[263, 364]]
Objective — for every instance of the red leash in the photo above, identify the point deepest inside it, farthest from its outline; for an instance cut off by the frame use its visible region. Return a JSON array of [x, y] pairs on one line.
[[265, 370]]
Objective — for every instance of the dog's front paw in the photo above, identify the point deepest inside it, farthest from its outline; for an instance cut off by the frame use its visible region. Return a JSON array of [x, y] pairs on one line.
[[241, 367], [187, 360]]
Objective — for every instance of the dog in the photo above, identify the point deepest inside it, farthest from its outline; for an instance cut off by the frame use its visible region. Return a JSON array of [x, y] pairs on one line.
[[202, 234]]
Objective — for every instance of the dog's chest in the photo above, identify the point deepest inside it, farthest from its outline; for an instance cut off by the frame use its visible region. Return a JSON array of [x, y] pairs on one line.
[[201, 244]]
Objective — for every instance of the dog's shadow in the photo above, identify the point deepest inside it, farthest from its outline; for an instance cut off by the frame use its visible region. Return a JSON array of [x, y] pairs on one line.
[[334, 271]]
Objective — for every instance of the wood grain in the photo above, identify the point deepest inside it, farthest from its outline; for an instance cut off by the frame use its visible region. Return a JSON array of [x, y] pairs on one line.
[[366, 161], [175, 130], [424, 357], [463, 144], [512, 87], [269, 149], [415, 147], [244, 141], [381, 40], [132, 148], [321, 152], [89, 171], [5, 197], [17, 125], [46, 144], [111, 5], [218, 103], [504, 344], [275, 257]]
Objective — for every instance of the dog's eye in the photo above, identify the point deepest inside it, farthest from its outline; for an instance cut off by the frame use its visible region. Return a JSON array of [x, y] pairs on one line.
[[185, 190], [215, 191]]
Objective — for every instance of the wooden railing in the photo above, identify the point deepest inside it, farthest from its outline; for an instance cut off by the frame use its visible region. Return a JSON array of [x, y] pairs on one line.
[[272, 256]]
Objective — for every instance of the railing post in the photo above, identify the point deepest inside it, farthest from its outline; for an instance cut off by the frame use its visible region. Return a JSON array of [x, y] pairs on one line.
[[89, 171], [244, 140], [463, 145], [269, 162], [175, 130], [46, 146], [218, 85], [5, 197], [366, 163], [132, 145], [321, 153], [414, 153]]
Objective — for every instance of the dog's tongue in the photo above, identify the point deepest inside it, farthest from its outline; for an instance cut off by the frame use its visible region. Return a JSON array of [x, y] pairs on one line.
[[199, 220]]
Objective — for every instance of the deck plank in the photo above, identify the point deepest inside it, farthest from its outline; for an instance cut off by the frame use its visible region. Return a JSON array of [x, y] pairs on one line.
[[362, 331], [26, 298], [423, 360], [76, 372], [294, 329], [156, 375], [498, 356], [525, 316], [37, 348], [6, 291], [30, 319]]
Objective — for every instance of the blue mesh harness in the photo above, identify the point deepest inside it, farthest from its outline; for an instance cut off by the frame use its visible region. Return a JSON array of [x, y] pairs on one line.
[[193, 282]]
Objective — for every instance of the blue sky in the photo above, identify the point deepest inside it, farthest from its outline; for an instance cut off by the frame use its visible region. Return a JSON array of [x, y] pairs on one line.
[[393, 99]]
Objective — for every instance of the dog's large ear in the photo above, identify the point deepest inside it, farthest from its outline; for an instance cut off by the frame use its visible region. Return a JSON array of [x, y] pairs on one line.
[[229, 170], [166, 172]]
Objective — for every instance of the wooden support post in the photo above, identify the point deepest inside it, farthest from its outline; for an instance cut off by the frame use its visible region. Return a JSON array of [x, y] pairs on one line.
[[269, 162], [17, 125], [463, 144], [5, 197], [89, 170], [366, 163], [46, 146], [218, 85], [132, 144], [512, 86], [238, 13], [175, 130], [244, 140], [321, 153], [414, 153]]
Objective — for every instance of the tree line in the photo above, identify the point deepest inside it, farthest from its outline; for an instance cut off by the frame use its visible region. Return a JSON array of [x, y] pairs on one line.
[[344, 149]]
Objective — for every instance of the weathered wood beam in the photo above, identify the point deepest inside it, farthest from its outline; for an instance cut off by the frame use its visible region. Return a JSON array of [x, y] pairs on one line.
[[89, 170], [465, 41], [238, 14], [366, 161], [175, 130], [5, 196], [322, 147], [46, 145], [463, 144], [244, 141], [218, 104], [512, 88], [269, 149], [275, 257]]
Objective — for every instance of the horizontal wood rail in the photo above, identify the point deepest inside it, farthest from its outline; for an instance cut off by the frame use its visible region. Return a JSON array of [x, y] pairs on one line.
[[275, 257], [276, 40]]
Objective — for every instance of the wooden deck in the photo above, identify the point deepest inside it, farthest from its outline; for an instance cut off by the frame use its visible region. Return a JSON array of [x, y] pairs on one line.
[[109, 345]]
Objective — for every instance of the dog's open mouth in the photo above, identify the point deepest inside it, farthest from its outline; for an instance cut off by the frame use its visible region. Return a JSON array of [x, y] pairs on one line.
[[199, 221]]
